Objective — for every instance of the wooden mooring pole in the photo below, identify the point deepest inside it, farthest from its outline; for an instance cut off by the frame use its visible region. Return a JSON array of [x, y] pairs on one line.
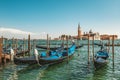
[[93, 48], [23, 47], [47, 41], [5, 41], [4, 59], [63, 39], [108, 45], [67, 48], [29, 45], [88, 50], [15, 47], [47, 44], [78, 45], [34, 43], [67, 43], [113, 50], [1, 50]]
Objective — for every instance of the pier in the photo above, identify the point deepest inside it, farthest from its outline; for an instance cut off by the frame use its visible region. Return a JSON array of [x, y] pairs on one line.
[[19, 49], [3, 56]]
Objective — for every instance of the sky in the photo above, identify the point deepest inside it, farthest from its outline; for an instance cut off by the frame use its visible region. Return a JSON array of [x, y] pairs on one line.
[[56, 17]]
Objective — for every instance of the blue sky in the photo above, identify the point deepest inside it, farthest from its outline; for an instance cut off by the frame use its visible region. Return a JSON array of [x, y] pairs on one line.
[[61, 16]]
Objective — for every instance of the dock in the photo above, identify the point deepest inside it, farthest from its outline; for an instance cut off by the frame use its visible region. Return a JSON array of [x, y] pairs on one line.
[[7, 57], [3, 56]]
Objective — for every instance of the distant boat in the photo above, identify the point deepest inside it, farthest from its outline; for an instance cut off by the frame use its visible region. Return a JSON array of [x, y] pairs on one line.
[[101, 57], [52, 57]]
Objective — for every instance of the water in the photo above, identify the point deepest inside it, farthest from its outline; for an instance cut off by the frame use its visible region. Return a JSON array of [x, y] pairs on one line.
[[76, 69]]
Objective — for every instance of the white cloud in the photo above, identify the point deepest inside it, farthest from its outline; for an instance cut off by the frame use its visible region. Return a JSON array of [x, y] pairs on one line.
[[16, 33]]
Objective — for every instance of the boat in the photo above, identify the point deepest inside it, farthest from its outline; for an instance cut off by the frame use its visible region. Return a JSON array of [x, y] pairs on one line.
[[49, 57], [54, 48], [17, 51], [101, 57], [21, 53], [6, 57]]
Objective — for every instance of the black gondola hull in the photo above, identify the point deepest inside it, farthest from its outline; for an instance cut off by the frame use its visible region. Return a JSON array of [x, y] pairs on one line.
[[32, 60], [100, 64]]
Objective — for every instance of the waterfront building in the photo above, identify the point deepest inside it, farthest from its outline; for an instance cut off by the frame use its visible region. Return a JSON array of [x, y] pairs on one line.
[[107, 37], [91, 34], [79, 32]]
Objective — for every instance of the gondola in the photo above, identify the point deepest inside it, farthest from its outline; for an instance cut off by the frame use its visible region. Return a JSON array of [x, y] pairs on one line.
[[21, 53], [54, 48], [17, 51], [101, 57], [51, 57]]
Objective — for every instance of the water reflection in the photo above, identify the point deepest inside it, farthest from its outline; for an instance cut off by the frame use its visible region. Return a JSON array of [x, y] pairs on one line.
[[8, 72], [100, 74]]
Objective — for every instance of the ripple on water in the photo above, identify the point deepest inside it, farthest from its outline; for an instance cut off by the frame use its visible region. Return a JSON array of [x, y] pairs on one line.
[[76, 69]]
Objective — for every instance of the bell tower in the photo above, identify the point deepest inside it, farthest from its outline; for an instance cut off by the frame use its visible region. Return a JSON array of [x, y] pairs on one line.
[[79, 32]]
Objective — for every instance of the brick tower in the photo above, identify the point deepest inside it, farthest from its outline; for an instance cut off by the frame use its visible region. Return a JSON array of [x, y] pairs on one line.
[[79, 32]]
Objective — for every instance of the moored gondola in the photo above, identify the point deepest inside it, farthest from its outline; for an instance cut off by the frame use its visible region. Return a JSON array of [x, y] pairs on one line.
[[51, 57], [54, 48], [101, 57]]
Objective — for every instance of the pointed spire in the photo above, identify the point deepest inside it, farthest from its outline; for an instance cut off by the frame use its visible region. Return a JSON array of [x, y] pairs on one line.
[[78, 26], [79, 31], [90, 31]]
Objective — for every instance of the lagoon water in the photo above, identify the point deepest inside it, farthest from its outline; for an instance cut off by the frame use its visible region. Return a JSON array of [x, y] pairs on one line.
[[75, 69]]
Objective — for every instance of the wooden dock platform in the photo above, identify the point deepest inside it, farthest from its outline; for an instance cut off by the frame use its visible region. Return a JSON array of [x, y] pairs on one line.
[[3, 57]]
